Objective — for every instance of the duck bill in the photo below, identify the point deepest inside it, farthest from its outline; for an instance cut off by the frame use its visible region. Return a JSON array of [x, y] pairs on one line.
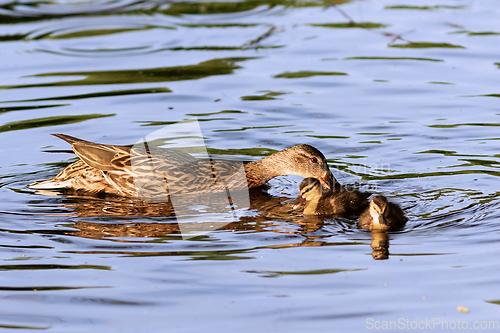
[[327, 180], [298, 202]]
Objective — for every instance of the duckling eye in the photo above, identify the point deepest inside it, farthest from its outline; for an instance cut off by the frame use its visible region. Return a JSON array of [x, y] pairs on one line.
[[314, 160]]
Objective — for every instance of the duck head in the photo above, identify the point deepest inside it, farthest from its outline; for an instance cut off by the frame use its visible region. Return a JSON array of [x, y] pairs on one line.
[[305, 161]]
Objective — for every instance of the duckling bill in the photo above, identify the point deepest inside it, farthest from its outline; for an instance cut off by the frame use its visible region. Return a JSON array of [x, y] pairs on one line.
[[382, 215], [339, 202]]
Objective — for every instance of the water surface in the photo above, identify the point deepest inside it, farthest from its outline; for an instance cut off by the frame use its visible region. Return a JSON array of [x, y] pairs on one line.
[[401, 98]]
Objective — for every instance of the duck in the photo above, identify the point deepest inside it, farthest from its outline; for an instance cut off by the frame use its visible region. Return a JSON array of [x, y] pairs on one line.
[[337, 201], [382, 215], [138, 173]]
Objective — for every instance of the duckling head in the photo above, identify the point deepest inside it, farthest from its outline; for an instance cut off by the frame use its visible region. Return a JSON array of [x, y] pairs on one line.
[[309, 190], [379, 210]]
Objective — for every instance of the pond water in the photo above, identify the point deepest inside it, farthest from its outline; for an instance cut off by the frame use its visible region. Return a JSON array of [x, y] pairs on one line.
[[400, 96]]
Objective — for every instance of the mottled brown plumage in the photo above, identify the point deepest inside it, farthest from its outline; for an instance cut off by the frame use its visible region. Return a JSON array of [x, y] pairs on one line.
[[158, 173], [339, 202], [382, 215]]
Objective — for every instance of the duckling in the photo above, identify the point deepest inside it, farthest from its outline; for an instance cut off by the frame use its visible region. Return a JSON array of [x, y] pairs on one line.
[[339, 201], [382, 215], [116, 170]]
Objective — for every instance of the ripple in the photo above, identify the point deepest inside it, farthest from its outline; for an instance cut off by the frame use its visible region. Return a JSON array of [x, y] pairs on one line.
[[424, 7], [50, 266], [49, 121], [393, 58], [311, 272], [15, 12], [426, 45], [151, 75], [96, 95], [271, 95], [302, 74], [363, 25]]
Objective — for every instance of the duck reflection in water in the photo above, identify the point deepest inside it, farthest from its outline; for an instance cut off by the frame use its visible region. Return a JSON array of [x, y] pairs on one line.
[[129, 217]]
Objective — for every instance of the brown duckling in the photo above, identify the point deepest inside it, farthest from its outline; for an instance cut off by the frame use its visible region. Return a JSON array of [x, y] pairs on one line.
[[382, 215], [340, 201], [110, 169]]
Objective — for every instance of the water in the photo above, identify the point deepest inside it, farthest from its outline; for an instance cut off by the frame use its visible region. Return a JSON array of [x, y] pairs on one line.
[[418, 124]]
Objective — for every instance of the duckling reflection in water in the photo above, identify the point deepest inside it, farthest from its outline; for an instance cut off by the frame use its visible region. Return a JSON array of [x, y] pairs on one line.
[[341, 201], [382, 215]]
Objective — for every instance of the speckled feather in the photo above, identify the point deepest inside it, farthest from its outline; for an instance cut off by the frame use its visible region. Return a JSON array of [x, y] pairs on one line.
[[118, 170]]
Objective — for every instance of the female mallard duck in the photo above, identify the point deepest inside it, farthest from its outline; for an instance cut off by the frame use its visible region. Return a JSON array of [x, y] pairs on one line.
[[127, 171], [382, 215], [339, 201]]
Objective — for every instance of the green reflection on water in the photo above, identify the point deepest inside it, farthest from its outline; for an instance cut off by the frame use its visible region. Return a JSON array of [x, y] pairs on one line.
[[164, 74], [466, 124], [363, 25], [487, 95], [250, 127], [101, 94], [24, 327], [373, 133], [173, 9], [221, 48], [295, 75], [423, 7], [483, 33], [298, 132], [327, 136], [267, 96], [437, 82], [50, 121], [198, 8], [425, 45], [218, 25], [51, 266], [214, 113], [311, 272], [393, 58], [97, 32], [164, 123], [14, 37], [485, 163], [427, 174], [44, 288], [29, 107]]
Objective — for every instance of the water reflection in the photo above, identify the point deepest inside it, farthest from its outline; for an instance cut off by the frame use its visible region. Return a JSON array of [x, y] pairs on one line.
[[380, 245]]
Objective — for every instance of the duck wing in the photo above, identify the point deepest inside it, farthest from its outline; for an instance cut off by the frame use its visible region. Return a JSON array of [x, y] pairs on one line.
[[108, 168], [111, 157]]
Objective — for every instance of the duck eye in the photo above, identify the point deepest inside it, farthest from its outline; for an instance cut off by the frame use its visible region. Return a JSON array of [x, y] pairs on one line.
[[314, 160]]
